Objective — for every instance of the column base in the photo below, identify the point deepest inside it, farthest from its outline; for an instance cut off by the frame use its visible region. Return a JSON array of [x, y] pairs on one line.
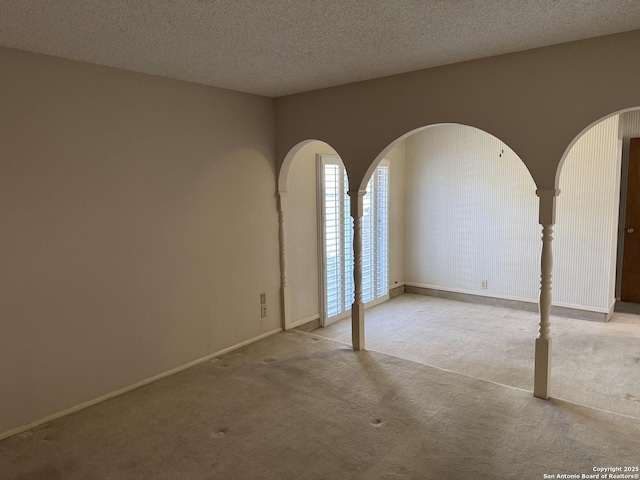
[[286, 307], [542, 370], [357, 326]]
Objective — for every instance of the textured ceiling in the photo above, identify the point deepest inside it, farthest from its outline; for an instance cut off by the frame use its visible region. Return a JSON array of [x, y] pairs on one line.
[[278, 47]]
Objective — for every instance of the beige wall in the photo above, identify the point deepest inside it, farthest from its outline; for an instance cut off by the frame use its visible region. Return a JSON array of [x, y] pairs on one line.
[[138, 228], [535, 101]]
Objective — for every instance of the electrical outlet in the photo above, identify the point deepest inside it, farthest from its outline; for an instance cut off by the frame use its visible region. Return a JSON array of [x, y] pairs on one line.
[[483, 284], [263, 299], [263, 311]]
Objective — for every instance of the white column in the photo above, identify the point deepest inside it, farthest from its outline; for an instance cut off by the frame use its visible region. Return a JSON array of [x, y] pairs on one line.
[[357, 309], [284, 288], [542, 370]]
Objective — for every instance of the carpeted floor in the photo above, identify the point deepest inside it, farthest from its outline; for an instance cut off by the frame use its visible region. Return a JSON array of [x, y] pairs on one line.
[[593, 363], [299, 406]]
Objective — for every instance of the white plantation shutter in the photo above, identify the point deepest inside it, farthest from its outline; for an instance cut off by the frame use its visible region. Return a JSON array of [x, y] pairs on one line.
[[375, 235], [348, 248], [382, 228], [368, 247], [333, 238], [337, 237]]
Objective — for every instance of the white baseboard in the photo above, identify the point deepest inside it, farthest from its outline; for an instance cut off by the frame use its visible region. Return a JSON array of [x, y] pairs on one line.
[[508, 297], [29, 426], [469, 292], [396, 289], [557, 308], [586, 308]]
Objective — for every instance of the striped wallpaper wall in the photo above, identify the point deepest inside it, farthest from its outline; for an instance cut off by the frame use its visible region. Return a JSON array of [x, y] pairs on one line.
[[587, 219], [472, 215]]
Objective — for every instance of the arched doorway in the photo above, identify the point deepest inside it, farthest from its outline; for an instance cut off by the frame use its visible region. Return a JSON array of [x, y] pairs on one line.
[[467, 219], [594, 363], [300, 241], [318, 233], [595, 170]]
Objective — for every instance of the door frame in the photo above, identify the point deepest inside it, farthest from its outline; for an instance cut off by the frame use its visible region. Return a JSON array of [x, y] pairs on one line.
[[624, 187], [322, 254]]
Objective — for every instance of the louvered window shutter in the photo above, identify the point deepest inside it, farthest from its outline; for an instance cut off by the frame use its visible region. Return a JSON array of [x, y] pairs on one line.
[[337, 237]]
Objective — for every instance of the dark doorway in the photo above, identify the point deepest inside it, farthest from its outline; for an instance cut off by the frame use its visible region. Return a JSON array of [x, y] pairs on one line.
[[630, 288]]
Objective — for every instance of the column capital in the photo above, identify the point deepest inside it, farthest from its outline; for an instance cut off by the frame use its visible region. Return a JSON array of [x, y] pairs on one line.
[[547, 205], [545, 193], [356, 197], [359, 193], [283, 200]]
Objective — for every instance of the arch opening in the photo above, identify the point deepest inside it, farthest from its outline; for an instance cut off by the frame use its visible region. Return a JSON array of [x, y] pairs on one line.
[[319, 236], [463, 225], [594, 180], [467, 195], [395, 143], [595, 260], [301, 234]]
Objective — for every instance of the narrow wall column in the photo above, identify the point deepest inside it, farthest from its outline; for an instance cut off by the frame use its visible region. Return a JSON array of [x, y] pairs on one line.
[[542, 371], [357, 309], [285, 297]]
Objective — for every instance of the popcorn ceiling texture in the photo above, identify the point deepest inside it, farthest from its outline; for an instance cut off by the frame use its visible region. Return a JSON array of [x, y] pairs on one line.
[[280, 47]]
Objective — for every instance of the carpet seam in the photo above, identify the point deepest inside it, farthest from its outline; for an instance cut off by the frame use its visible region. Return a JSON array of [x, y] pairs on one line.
[[468, 376]]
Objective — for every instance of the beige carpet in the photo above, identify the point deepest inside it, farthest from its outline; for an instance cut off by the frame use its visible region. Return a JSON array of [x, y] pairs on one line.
[[298, 406], [593, 363]]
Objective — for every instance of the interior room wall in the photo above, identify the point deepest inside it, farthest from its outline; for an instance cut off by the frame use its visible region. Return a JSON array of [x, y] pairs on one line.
[[472, 215], [139, 227], [302, 227], [587, 219]]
